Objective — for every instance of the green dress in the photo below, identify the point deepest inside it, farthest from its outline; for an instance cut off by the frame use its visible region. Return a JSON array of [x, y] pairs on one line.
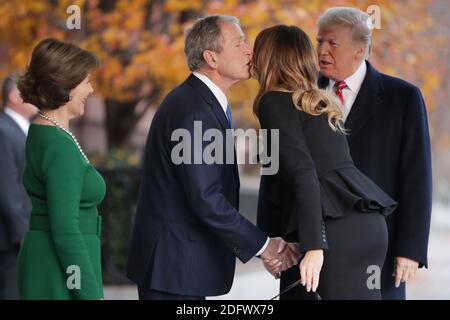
[[60, 255]]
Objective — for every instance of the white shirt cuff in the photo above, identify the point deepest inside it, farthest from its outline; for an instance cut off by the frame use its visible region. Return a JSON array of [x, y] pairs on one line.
[[263, 248]]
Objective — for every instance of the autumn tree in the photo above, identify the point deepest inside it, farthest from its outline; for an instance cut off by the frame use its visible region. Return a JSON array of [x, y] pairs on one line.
[[140, 44]]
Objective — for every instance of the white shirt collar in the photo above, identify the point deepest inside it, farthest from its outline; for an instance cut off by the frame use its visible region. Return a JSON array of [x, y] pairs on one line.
[[22, 122], [355, 81], [218, 93]]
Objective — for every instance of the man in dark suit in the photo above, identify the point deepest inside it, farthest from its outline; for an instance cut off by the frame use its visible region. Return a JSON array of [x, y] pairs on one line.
[[388, 137], [15, 204], [188, 232]]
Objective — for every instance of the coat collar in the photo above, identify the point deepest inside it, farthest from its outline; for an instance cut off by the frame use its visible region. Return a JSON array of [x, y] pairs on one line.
[[12, 123], [209, 98], [367, 102]]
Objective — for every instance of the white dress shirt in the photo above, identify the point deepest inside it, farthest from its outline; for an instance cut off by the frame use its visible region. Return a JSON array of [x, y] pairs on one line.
[[22, 122], [218, 93], [350, 93], [223, 101]]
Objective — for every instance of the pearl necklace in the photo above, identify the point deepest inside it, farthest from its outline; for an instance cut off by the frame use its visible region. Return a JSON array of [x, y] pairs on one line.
[[56, 123]]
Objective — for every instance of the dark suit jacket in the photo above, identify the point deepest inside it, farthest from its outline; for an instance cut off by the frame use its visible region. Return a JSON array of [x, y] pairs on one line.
[[389, 141], [188, 231], [15, 205], [316, 179]]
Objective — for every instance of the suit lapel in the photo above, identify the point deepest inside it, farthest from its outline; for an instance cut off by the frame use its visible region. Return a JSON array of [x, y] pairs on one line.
[[367, 101], [13, 124], [323, 82], [210, 99]]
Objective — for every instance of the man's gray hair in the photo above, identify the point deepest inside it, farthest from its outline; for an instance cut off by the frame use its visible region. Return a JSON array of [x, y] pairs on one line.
[[357, 20], [8, 85], [204, 35]]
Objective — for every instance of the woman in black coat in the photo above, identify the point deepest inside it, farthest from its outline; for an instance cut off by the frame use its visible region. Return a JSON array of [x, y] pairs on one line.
[[318, 198]]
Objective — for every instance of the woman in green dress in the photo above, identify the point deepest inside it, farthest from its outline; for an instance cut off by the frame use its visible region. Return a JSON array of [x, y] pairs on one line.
[[60, 256]]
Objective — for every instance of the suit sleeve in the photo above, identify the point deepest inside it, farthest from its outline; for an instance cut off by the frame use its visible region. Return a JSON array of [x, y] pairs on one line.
[[414, 211], [12, 200], [202, 184], [296, 160], [64, 176], [269, 215]]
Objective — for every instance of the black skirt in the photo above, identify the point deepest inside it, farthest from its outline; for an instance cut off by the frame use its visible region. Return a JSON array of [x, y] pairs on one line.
[[357, 245]]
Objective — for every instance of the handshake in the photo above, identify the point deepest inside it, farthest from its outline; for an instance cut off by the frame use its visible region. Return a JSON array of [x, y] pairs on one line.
[[280, 256]]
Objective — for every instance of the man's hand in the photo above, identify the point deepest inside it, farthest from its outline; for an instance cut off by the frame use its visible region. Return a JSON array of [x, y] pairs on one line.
[[273, 249], [285, 256], [404, 270], [273, 267], [292, 253]]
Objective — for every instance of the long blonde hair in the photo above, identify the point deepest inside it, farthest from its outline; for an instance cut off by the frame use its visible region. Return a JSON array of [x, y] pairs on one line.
[[284, 59]]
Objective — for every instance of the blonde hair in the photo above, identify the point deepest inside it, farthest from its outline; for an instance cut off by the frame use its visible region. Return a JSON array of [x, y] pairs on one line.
[[284, 59]]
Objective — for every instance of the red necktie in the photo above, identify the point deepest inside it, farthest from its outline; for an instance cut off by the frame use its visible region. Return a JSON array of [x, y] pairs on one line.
[[339, 86]]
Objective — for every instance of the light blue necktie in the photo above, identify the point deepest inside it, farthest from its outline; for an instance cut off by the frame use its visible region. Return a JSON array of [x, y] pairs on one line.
[[230, 117]]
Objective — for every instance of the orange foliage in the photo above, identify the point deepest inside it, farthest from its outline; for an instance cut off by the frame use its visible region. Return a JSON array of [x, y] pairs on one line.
[[135, 47]]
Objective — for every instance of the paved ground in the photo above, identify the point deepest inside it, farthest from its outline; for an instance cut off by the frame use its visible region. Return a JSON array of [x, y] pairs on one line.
[[253, 282]]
